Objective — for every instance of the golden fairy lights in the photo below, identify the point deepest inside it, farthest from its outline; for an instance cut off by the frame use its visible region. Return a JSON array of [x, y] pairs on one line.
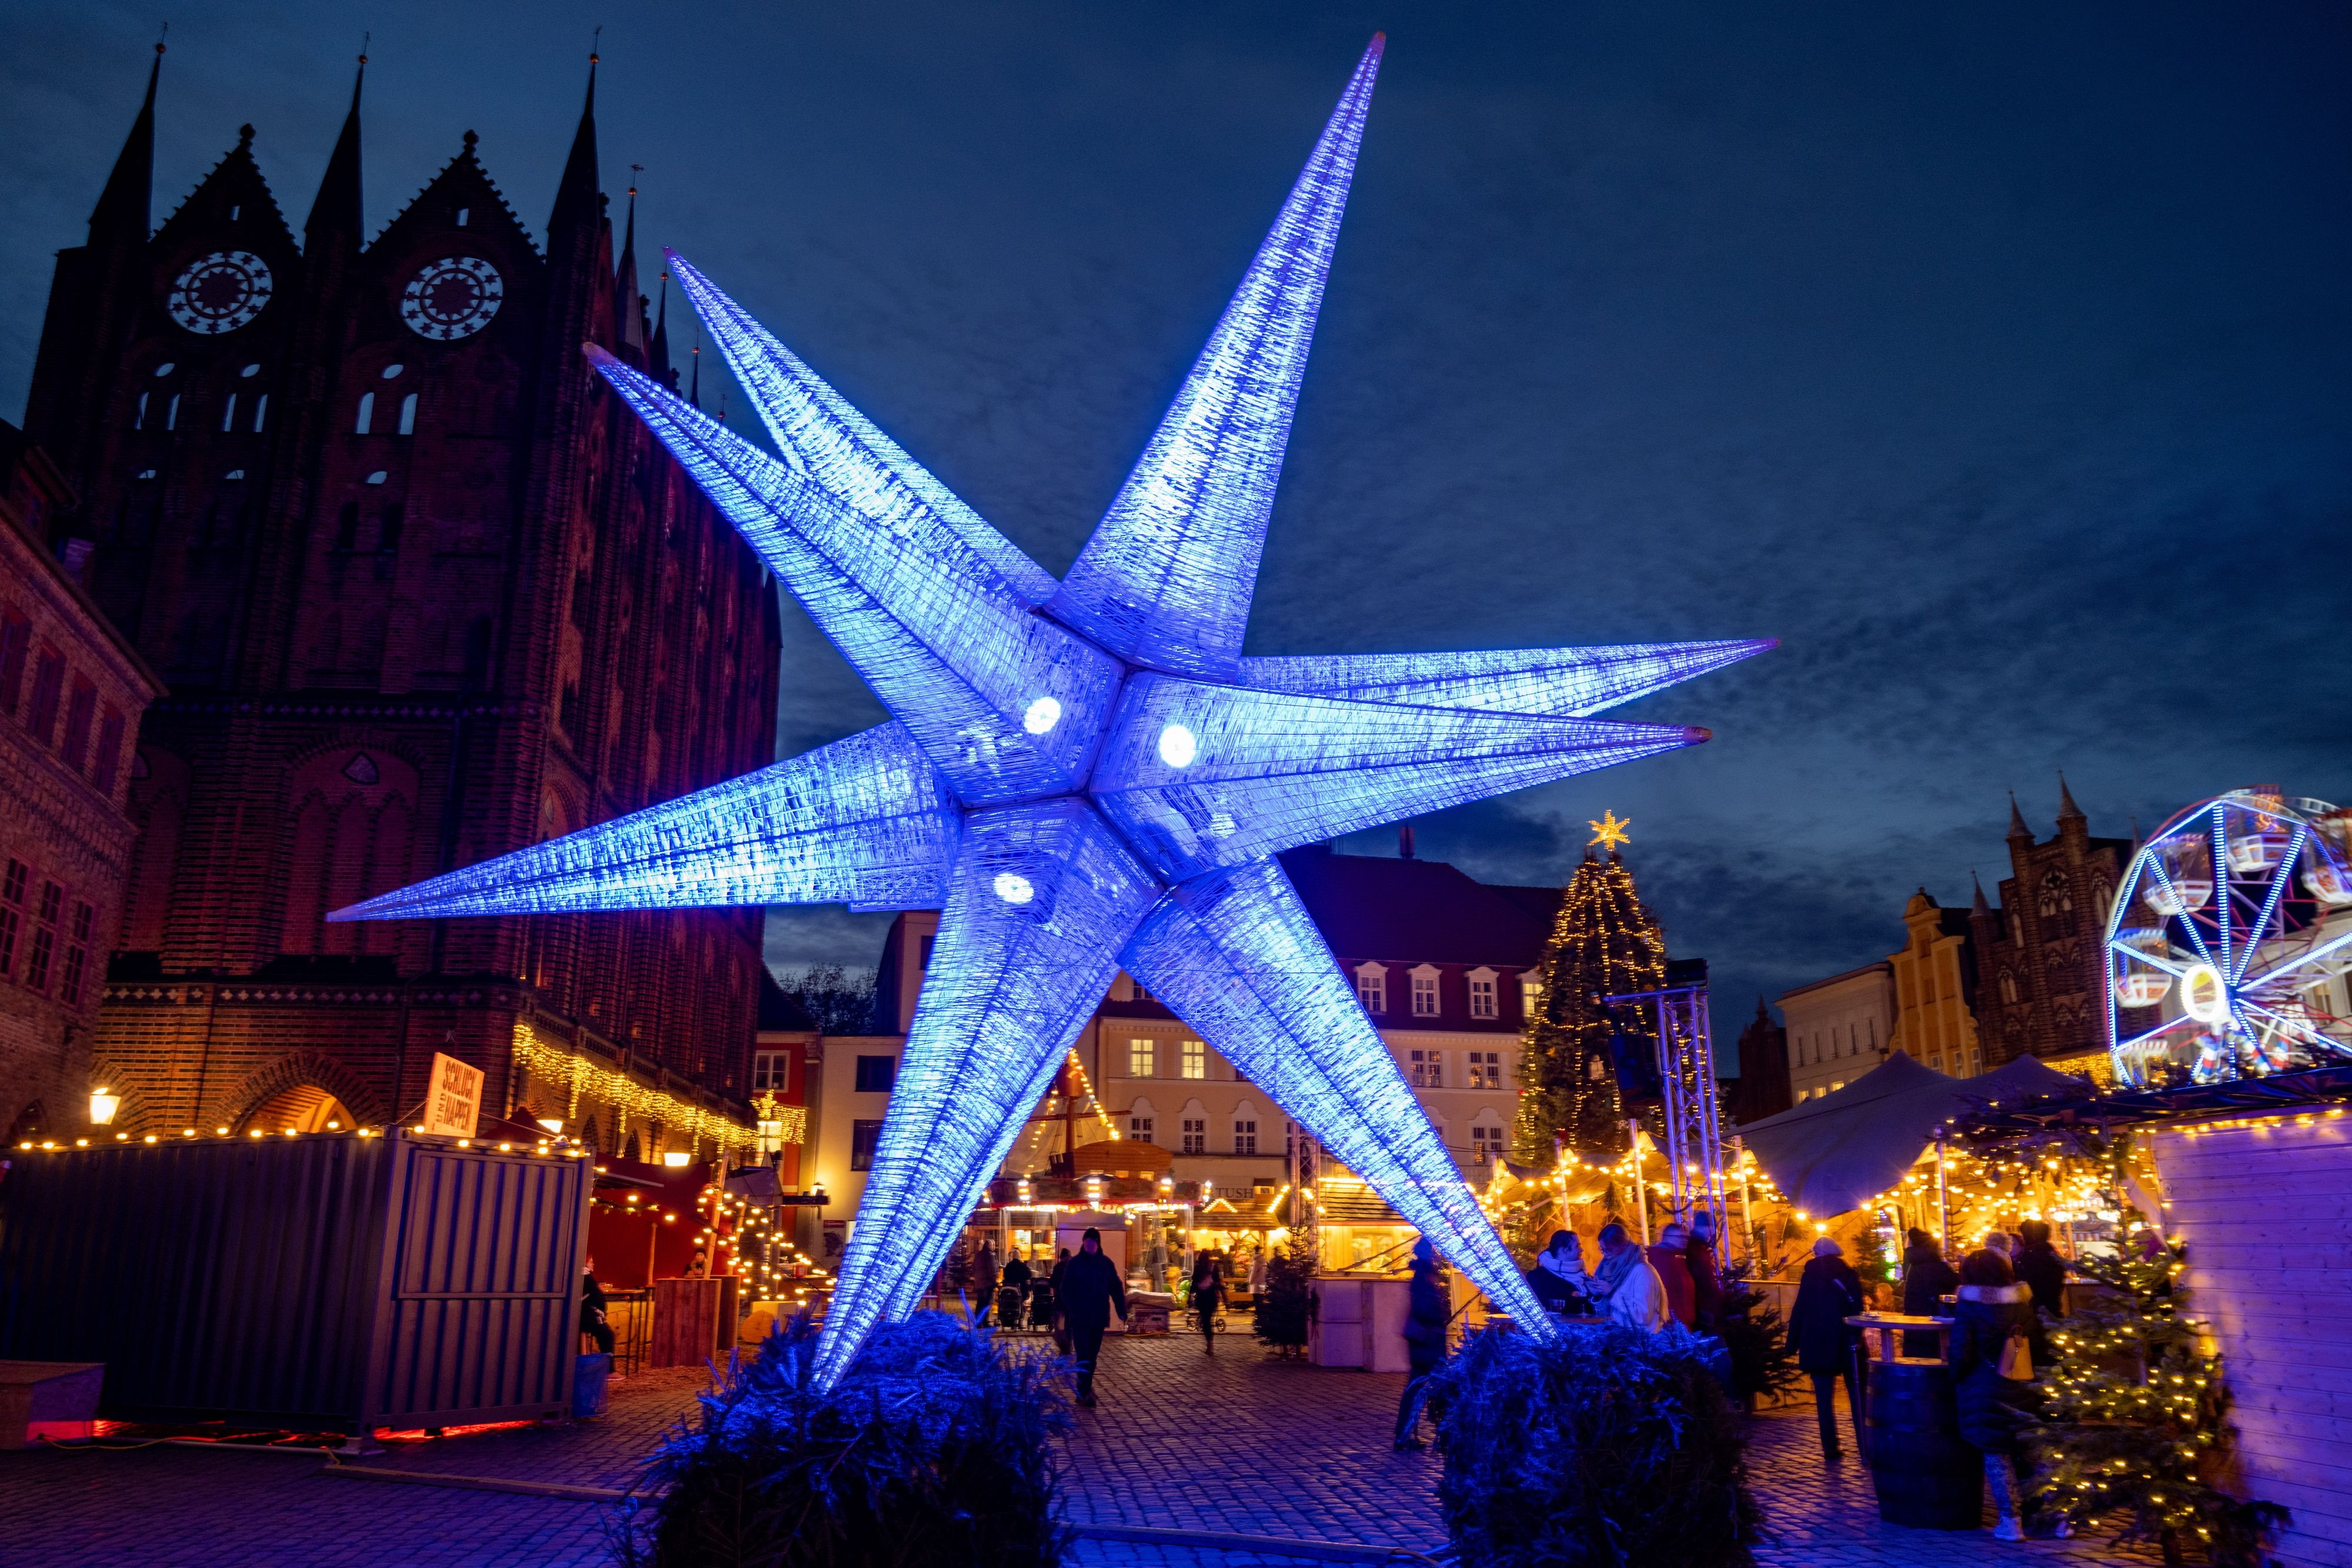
[[581, 1079]]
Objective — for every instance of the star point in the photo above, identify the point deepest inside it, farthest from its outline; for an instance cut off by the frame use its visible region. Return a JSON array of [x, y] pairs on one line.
[[1610, 831]]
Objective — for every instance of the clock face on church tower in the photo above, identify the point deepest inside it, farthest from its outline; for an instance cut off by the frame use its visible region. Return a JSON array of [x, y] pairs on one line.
[[220, 292], [453, 298]]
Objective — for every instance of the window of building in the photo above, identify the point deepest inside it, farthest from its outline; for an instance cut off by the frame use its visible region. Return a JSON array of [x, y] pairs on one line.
[[1483, 1004], [16, 643], [1486, 1145], [1142, 992], [366, 414], [45, 936], [1142, 1057], [49, 685], [1372, 988], [260, 411], [877, 1074], [1245, 1137], [1485, 1069], [1425, 993], [1140, 1128], [865, 1137], [1428, 1069], [1530, 992], [408, 415], [772, 1071], [1196, 1136], [77, 955], [12, 912], [80, 712], [108, 762], [1194, 1059]]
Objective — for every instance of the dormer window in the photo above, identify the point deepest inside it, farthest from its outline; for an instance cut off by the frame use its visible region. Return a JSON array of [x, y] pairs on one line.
[[1483, 1002], [1372, 988], [1424, 992]]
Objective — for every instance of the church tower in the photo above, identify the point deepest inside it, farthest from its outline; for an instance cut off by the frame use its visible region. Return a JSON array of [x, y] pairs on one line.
[[424, 592]]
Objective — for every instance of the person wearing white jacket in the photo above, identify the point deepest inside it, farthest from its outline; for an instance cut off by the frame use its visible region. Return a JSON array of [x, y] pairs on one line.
[[1633, 1294]]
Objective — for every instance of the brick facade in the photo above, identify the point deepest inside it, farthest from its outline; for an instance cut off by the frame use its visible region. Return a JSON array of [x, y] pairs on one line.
[[2039, 955], [424, 592], [71, 691]]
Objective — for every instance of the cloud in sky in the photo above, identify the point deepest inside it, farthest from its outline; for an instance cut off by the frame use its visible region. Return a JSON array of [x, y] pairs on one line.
[[1999, 360]]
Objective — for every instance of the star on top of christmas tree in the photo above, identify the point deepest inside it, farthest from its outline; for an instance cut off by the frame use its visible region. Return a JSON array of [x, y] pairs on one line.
[[1610, 831]]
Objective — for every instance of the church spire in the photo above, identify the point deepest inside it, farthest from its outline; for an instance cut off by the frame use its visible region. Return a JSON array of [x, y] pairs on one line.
[[122, 210], [2067, 809], [627, 302], [1980, 906], [337, 212], [2017, 828], [577, 200], [659, 353]]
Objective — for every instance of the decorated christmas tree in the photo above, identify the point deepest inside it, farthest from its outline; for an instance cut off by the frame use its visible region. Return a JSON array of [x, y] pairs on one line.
[[1603, 942], [2135, 1429]]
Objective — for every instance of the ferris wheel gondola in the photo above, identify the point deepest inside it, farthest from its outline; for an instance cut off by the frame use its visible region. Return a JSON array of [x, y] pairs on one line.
[[2229, 942]]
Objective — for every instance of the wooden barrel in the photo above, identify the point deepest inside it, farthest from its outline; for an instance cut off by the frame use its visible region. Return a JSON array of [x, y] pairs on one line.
[[1927, 1477]]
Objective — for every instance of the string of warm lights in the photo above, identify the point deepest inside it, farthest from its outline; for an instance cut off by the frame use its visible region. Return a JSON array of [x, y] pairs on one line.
[[1603, 942], [583, 1079]]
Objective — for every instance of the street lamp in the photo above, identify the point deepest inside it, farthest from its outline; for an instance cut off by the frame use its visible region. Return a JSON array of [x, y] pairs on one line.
[[677, 1159], [103, 1104]]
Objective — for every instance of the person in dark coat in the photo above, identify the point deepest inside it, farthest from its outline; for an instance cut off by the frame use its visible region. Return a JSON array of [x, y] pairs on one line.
[[1992, 1310], [1828, 1292], [1013, 1292], [1425, 1339], [983, 1283], [1706, 1277], [1558, 1279], [1208, 1295], [1088, 1287], [1928, 1279], [2040, 1271], [592, 1307]]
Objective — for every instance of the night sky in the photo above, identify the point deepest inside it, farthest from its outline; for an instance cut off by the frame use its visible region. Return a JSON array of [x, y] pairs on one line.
[[1996, 359]]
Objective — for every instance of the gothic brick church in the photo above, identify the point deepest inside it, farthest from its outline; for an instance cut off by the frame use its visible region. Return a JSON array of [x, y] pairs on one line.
[[422, 592]]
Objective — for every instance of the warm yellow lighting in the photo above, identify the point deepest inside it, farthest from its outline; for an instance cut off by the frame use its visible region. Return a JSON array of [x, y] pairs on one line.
[[676, 1159], [150, 1137], [254, 1134], [103, 1104], [553, 1124]]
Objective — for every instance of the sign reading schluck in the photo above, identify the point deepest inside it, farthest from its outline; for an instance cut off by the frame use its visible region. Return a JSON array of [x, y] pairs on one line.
[[455, 1099]]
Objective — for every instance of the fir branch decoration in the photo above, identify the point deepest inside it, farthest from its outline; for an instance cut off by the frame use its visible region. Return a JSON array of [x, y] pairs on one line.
[[1603, 942], [1595, 1446], [1282, 1309], [2135, 1426], [932, 1452]]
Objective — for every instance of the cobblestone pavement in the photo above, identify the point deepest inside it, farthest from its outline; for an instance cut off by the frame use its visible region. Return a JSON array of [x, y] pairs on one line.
[[1238, 1444]]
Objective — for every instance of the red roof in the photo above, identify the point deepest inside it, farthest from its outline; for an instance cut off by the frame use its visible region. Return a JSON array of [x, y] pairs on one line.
[[1417, 911]]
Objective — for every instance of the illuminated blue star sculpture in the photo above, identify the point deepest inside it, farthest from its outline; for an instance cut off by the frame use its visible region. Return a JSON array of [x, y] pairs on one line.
[[1085, 773]]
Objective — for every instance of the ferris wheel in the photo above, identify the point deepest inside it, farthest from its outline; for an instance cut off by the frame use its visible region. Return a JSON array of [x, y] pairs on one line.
[[2229, 942]]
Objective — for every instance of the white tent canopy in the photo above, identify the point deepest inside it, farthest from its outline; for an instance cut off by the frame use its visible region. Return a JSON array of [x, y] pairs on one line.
[[1837, 1152]]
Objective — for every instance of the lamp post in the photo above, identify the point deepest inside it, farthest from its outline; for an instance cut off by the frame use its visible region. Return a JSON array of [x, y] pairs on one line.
[[103, 1104]]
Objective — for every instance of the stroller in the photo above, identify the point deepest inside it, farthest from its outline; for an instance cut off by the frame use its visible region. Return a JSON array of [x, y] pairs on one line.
[[1008, 1307], [1041, 1306]]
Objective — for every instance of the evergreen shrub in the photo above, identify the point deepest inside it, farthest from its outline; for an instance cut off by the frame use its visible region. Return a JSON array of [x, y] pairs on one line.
[[1599, 1445], [932, 1452], [1282, 1309]]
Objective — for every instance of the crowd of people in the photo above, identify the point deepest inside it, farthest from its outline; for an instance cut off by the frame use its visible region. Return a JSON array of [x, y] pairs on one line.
[[1676, 1278], [1999, 1301]]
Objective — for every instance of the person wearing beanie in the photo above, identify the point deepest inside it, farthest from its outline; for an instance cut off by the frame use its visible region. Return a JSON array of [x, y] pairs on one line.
[[1088, 1289]]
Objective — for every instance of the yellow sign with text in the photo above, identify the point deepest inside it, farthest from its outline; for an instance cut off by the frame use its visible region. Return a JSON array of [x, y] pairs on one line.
[[454, 1101]]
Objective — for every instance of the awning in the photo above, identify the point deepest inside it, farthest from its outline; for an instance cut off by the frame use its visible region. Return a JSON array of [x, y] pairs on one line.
[[1837, 1152]]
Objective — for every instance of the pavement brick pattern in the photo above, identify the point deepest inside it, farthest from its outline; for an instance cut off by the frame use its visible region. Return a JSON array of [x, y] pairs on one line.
[[1238, 1444]]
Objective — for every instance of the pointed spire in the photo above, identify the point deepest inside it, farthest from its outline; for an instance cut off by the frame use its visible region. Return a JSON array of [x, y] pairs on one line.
[[2017, 828], [1762, 1016], [1980, 906], [337, 212], [627, 302], [2067, 809], [576, 195], [123, 211], [694, 369], [659, 353]]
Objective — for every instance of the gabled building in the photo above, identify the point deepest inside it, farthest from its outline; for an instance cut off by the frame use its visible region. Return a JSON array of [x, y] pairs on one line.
[[2039, 954], [424, 592]]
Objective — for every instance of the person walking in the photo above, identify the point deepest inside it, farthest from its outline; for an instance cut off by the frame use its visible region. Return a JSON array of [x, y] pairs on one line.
[[1012, 1292], [1558, 1279], [1087, 1288], [1208, 1296], [1256, 1272], [1706, 1277], [1828, 1292], [1424, 1340], [1992, 1372], [1928, 1279], [592, 1308], [1627, 1284], [1670, 1256], [983, 1283]]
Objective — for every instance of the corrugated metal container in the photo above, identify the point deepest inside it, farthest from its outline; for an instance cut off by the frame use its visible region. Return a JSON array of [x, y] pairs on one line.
[[321, 1281]]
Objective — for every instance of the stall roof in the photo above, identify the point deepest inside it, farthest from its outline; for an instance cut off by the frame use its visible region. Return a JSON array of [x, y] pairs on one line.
[[1837, 1152]]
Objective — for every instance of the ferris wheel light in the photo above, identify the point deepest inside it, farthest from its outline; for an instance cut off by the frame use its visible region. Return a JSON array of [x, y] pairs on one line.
[[2204, 995]]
